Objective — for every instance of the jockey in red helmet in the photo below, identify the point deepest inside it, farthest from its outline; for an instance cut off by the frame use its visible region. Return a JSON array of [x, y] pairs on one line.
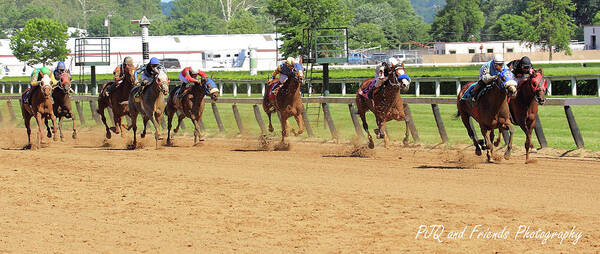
[[189, 75]]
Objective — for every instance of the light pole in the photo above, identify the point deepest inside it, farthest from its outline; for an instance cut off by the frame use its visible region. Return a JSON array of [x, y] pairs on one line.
[[107, 22], [144, 24]]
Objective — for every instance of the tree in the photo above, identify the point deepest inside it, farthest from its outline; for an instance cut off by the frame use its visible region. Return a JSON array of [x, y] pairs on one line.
[[596, 19], [511, 27], [552, 25], [243, 23], [199, 23], [584, 11], [459, 20], [366, 35], [494, 9], [41, 41], [374, 13], [294, 15]]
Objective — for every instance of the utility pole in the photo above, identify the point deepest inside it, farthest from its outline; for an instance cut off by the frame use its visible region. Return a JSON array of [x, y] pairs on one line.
[[107, 22]]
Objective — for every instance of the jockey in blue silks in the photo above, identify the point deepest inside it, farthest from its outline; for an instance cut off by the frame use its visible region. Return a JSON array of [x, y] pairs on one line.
[[285, 69], [148, 73], [60, 69], [487, 73], [380, 75]]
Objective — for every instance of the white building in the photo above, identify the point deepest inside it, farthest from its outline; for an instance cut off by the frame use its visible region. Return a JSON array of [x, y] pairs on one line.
[[488, 47], [591, 36], [209, 52]]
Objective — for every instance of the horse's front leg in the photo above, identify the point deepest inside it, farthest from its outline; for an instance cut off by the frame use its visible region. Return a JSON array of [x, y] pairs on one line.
[[38, 120], [103, 117], [366, 128], [48, 133], [145, 122], [488, 144], [74, 135], [284, 127], [53, 117], [383, 131], [62, 138], [511, 129], [405, 140], [169, 125], [28, 126], [300, 122], [156, 124]]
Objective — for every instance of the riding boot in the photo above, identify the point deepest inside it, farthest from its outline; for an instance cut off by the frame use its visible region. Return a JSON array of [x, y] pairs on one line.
[[475, 92]]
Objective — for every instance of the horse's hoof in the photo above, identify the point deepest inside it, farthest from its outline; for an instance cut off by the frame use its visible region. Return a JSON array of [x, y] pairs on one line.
[[271, 129], [497, 143], [131, 147], [74, 136], [176, 130], [371, 144], [143, 135], [108, 135], [62, 139], [159, 138], [295, 132], [27, 147], [55, 138], [405, 142], [478, 152], [114, 129], [49, 135]]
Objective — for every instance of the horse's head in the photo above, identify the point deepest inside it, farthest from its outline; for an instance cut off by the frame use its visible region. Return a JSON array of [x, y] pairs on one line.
[[403, 77], [539, 86], [298, 71], [64, 83], [129, 71], [46, 86], [162, 82], [206, 88], [508, 82]]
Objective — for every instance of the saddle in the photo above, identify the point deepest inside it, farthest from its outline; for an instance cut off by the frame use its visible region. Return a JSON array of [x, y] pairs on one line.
[[369, 90], [274, 86], [468, 95]]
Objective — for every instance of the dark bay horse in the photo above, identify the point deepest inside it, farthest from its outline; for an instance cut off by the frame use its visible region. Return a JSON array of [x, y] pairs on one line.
[[40, 107], [150, 106], [191, 105], [288, 102], [62, 104], [117, 101], [531, 92], [386, 103], [491, 112]]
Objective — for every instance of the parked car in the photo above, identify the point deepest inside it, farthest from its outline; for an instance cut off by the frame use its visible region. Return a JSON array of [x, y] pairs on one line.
[[170, 63], [378, 58], [358, 58]]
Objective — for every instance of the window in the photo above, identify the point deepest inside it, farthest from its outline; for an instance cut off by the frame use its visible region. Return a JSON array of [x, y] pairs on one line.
[[236, 55], [471, 51], [217, 56], [509, 50], [452, 52], [228, 55], [490, 50]]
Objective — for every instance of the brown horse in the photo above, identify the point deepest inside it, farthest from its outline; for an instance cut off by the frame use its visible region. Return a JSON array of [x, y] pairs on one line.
[[117, 101], [524, 107], [491, 112], [386, 103], [40, 107], [288, 102], [150, 106], [62, 104], [191, 105]]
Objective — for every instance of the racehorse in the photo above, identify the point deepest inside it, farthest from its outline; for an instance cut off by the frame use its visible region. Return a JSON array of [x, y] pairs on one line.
[[287, 101], [386, 103], [191, 105], [40, 107], [117, 101], [62, 104], [491, 112], [524, 107], [150, 106]]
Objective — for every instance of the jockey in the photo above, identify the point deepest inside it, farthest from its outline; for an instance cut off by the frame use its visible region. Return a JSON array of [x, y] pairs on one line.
[[36, 76], [119, 73], [60, 69], [189, 75], [284, 70], [521, 67], [148, 73], [487, 73]]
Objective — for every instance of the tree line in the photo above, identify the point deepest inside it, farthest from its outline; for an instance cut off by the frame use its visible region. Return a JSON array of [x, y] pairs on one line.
[[387, 24]]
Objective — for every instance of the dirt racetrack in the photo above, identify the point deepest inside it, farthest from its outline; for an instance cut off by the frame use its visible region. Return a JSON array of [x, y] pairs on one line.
[[228, 195]]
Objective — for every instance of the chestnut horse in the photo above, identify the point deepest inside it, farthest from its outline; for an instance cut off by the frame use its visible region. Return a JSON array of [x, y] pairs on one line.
[[40, 107], [491, 112], [117, 101], [287, 101], [386, 103], [62, 104], [524, 107], [150, 106], [191, 105]]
